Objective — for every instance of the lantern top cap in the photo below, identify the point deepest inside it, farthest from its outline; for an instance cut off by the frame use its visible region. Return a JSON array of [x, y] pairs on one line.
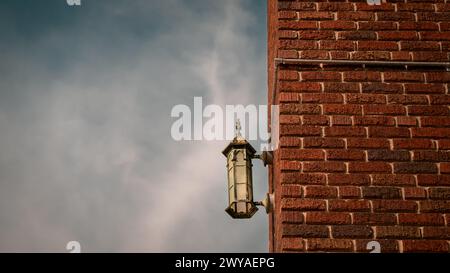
[[239, 142]]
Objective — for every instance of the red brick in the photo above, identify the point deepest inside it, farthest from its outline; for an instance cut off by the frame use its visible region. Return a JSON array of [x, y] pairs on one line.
[[298, 44], [338, 25], [368, 143], [320, 192], [292, 244], [288, 75], [289, 54], [302, 154], [287, 165], [420, 46], [436, 121], [315, 15], [439, 77], [291, 190], [388, 132], [342, 109], [336, 45], [357, 35], [345, 131], [314, 142], [384, 110], [395, 16], [349, 192], [414, 193], [300, 130], [371, 55], [289, 119], [393, 180], [397, 232], [289, 97], [290, 142], [291, 217], [430, 132], [418, 26], [430, 56], [382, 88], [374, 218], [425, 246], [416, 167], [394, 206], [440, 206], [380, 7], [345, 155], [401, 56], [435, 110], [415, 6], [335, 6], [322, 98], [377, 25], [444, 168], [348, 205], [316, 35], [431, 156], [305, 231], [444, 144], [439, 99], [341, 121], [387, 155], [424, 88], [366, 99], [436, 233], [321, 167], [315, 120], [303, 179], [333, 245], [341, 87], [433, 180], [314, 54], [421, 219], [369, 167], [329, 218], [356, 16], [381, 193], [374, 121], [403, 76], [397, 35], [348, 232], [439, 193], [377, 45], [407, 99], [291, 86], [410, 144], [348, 179], [406, 121], [302, 204], [298, 109]]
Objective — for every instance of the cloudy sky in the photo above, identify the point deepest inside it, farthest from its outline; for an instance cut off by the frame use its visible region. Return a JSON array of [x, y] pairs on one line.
[[85, 100]]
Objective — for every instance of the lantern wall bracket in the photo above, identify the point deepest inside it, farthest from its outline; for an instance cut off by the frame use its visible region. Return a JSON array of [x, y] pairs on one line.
[[267, 203], [266, 157]]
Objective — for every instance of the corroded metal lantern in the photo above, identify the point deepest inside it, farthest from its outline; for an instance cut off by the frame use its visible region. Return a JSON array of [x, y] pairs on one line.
[[239, 154]]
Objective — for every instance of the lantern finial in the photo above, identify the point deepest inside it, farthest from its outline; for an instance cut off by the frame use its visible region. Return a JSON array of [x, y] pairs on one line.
[[238, 128]]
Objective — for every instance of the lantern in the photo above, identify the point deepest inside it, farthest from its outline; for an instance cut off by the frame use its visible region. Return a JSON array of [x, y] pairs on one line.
[[239, 154]]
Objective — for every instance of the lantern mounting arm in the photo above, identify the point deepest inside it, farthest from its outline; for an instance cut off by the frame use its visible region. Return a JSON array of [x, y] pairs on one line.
[[267, 203], [265, 156]]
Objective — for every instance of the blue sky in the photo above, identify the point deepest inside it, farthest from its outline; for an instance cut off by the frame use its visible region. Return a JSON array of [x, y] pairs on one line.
[[85, 99]]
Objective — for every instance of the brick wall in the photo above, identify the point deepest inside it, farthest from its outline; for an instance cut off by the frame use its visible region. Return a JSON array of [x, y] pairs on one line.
[[365, 150]]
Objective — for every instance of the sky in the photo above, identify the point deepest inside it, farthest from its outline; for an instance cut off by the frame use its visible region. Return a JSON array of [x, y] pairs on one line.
[[86, 94]]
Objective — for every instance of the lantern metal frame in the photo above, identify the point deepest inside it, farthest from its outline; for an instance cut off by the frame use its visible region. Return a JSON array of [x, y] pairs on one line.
[[239, 154]]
